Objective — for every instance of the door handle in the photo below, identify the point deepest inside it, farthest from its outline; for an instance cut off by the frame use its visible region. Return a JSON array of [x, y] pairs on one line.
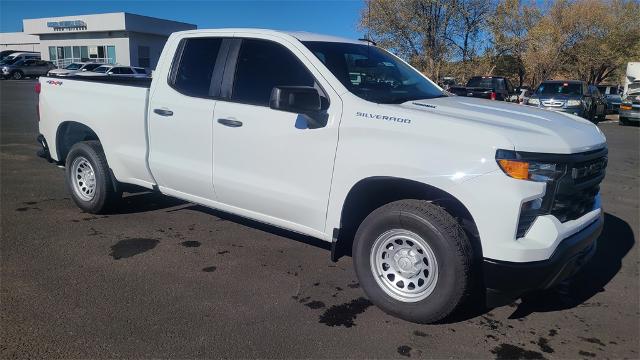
[[163, 112], [230, 122]]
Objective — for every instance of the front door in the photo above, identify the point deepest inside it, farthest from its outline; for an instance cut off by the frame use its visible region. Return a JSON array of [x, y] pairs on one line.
[[269, 164], [180, 122]]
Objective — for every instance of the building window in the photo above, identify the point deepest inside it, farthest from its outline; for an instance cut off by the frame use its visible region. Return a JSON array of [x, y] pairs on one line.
[[143, 56], [65, 55], [111, 54], [53, 56]]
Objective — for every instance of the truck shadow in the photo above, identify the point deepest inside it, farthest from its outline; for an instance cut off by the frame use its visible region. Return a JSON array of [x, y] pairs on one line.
[[614, 243], [261, 226], [144, 201]]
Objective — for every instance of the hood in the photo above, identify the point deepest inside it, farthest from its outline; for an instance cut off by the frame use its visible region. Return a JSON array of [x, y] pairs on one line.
[[60, 71], [527, 128]]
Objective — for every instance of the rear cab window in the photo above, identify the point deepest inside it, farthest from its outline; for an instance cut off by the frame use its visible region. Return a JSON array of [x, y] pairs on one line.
[[193, 66]]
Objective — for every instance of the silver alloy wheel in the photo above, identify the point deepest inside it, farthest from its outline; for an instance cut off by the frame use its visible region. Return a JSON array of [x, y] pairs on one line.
[[84, 178], [404, 265]]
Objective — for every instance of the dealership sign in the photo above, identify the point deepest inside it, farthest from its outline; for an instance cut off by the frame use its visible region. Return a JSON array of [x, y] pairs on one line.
[[67, 25]]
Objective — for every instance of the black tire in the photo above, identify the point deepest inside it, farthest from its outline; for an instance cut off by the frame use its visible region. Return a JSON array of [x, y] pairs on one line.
[[623, 121], [450, 246], [104, 196], [17, 75]]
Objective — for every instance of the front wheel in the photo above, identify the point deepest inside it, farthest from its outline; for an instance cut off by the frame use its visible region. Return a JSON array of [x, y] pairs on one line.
[[413, 260], [88, 179], [18, 75]]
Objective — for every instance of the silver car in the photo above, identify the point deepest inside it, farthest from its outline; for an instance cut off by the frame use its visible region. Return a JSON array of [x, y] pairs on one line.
[[630, 106], [26, 68]]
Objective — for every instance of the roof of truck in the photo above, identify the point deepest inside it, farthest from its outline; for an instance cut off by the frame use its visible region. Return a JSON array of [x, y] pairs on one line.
[[300, 35]]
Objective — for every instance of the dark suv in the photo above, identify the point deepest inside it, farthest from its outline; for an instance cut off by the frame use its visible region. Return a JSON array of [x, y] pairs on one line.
[[487, 87], [570, 96]]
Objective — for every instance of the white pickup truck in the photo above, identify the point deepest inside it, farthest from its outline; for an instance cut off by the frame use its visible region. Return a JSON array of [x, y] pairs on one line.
[[340, 140]]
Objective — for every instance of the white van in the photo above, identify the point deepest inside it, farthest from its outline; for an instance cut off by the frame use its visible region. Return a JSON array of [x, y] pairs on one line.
[[15, 57]]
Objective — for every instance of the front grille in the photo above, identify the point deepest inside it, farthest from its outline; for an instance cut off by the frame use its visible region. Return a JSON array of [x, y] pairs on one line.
[[572, 206], [574, 193]]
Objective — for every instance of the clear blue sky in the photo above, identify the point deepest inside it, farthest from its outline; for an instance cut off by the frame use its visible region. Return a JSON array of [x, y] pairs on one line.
[[337, 17]]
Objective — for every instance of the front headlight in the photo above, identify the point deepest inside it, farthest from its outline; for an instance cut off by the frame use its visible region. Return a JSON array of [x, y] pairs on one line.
[[574, 102], [514, 166], [533, 101]]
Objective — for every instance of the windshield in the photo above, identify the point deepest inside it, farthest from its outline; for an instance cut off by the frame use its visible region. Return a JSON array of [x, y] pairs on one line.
[[372, 73], [90, 67], [553, 88], [101, 69], [73, 66], [9, 61]]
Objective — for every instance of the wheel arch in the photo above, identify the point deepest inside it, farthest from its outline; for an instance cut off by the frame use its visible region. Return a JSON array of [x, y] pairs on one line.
[[68, 134], [370, 193]]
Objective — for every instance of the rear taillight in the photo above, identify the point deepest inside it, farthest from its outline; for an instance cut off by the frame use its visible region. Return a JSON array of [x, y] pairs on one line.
[[493, 95], [38, 87]]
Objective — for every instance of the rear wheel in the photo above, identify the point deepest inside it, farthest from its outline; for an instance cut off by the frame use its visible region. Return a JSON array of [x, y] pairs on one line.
[[17, 75], [413, 260], [88, 178]]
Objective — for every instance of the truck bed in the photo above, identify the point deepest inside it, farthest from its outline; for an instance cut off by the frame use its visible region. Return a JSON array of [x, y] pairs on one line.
[[115, 109]]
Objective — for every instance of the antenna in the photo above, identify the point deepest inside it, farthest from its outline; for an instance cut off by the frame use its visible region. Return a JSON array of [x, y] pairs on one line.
[[367, 37]]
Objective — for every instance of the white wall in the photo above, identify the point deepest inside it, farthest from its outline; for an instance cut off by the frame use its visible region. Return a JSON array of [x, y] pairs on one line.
[[154, 42], [119, 40], [98, 22], [19, 41]]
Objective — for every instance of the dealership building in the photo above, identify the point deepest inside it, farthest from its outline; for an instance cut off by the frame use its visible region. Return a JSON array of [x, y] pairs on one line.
[[121, 38]]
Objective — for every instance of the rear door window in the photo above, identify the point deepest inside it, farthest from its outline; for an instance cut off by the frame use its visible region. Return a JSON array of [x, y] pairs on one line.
[[193, 66]]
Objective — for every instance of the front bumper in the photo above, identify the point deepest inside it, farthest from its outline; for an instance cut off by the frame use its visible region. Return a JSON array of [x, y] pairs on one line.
[[633, 114], [578, 111], [506, 281]]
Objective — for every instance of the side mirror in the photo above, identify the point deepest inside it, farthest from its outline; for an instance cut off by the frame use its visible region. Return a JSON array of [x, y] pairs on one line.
[[110, 73], [84, 69], [303, 100]]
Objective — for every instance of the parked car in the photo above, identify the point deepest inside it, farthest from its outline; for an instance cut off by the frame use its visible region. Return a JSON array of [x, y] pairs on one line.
[[21, 55], [74, 68], [115, 70], [486, 87], [430, 194], [570, 96], [613, 97], [630, 106], [5, 53], [26, 68]]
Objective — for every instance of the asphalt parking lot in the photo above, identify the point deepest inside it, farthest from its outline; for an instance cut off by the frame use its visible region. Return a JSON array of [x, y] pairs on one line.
[[164, 278]]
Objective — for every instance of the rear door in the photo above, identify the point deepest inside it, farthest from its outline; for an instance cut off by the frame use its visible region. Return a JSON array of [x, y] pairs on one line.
[[181, 115], [269, 164]]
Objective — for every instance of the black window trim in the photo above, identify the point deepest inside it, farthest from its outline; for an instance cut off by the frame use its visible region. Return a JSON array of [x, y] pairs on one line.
[[231, 67], [224, 73]]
